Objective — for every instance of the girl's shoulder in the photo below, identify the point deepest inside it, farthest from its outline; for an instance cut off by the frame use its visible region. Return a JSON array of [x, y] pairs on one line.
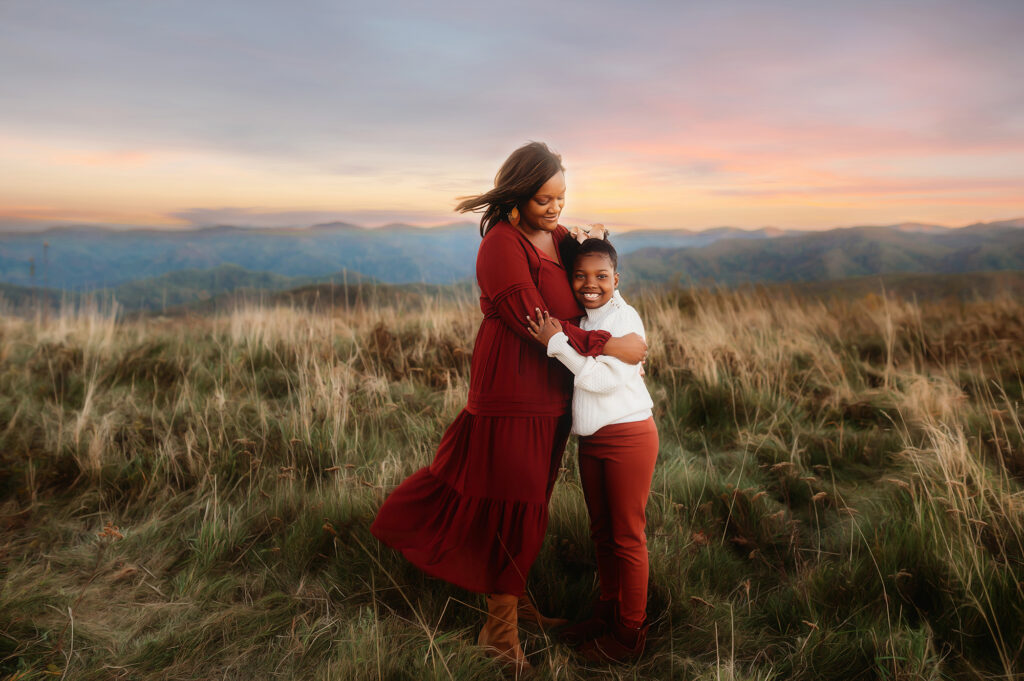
[[621, 306], [624, 315]]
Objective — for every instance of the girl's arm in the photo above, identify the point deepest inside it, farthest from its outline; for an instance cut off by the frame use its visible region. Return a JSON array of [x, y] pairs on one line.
[[597, 375]]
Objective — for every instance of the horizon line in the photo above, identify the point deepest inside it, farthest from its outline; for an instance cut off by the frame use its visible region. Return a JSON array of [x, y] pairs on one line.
[[25, 229]]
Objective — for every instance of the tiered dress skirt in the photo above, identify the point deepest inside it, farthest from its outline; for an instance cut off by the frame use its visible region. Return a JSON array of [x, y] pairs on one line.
[[476, 517]]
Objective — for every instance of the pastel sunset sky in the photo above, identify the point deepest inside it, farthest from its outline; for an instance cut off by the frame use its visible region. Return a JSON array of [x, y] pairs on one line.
[[692, 114]]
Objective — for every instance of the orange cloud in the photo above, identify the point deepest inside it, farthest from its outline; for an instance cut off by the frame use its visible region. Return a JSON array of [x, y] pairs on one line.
[[15, 214], [106, 159]]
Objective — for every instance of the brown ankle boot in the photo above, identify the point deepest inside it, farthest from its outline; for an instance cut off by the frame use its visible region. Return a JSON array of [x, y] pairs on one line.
[[500, 634], [621, 644], [600, 620], [531, 617]]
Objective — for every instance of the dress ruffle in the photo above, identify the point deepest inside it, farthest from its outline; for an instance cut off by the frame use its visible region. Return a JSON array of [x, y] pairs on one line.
[[476, 517]]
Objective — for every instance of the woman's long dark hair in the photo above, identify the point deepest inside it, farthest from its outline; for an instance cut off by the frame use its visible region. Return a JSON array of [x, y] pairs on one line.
[[522, 174]]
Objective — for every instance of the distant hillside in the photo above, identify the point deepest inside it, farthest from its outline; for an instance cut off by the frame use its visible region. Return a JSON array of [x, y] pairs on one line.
[[175, 289], [88, 259], [346, 292], [189, 286], [921, 287], [627, 242], [835, 254], [95, 258], [335, 295], [19, 299], [85, 258]]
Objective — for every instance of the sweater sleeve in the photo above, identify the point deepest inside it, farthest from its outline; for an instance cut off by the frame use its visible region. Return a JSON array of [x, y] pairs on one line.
[[597, 374], [503, 272]]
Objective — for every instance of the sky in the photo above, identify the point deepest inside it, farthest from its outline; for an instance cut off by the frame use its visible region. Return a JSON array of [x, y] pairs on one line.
[[684, 114]]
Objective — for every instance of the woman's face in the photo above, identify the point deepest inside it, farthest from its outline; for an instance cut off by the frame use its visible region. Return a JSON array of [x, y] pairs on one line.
[[540, 212]]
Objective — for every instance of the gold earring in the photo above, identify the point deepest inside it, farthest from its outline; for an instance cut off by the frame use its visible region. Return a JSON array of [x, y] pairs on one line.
[[513, 215]]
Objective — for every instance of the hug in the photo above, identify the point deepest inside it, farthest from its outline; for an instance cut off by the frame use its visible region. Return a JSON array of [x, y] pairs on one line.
[[558, 351]]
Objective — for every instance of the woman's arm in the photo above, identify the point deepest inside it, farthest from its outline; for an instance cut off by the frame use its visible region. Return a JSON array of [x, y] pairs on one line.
[[597, 375], [630, 348], [503, 272]]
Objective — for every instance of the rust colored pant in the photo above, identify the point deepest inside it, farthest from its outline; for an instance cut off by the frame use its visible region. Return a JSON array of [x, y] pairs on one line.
[[616, 467]]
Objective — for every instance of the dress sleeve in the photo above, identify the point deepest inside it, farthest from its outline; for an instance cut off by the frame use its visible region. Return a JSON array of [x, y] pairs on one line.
[[503, 272], [596, 374]]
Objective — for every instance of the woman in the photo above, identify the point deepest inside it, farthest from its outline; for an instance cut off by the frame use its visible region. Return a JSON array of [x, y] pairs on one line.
[[476, 516]]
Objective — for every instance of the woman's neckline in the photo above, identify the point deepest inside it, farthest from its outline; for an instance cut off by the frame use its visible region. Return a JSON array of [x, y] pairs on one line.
[[541, 254]]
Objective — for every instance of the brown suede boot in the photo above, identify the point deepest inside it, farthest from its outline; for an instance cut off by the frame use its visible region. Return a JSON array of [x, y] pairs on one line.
[[500, 634], [531, 617], [600, 620], [621, 644]]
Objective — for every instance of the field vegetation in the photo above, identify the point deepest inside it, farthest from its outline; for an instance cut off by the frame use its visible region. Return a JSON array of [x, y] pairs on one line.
[[838, 493]]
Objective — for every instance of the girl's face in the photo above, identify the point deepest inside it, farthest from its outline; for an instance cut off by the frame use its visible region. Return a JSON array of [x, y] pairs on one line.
[[540, 212], [594, 279]]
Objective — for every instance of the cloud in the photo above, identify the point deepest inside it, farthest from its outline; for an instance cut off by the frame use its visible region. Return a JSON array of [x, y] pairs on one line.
[[254, 217], [902, 187], [429, 99], [118, 159]]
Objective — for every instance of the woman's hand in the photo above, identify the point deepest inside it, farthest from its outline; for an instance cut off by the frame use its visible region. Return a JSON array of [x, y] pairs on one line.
[[631, 348], [544, 328]]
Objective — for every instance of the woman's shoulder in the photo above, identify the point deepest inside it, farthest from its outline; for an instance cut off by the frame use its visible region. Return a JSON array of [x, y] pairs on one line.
[[500, 237], [503, 234]]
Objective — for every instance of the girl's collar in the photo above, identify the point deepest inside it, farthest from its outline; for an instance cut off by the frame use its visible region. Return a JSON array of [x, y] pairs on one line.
[[595, 315]]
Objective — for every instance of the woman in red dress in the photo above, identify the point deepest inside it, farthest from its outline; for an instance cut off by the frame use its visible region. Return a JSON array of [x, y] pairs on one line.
[[476, 516]]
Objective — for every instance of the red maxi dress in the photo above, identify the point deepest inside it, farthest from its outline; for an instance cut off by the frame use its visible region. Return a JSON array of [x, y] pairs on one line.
[[476, 517]]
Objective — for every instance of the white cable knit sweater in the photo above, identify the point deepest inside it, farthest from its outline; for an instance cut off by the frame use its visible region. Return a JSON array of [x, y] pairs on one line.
[[607, 389]]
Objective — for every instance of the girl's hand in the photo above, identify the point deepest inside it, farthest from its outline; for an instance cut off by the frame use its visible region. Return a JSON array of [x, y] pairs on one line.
[[631, 348], [544, 328]]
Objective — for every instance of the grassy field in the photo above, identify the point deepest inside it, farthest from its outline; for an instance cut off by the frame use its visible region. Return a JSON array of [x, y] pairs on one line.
[[838, 494]]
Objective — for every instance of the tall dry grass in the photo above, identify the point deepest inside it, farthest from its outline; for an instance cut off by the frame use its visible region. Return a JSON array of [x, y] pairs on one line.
[[838, 493]]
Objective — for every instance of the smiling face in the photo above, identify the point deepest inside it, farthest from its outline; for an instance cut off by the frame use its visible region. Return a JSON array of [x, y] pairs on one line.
[[594, 279], [540, 212]]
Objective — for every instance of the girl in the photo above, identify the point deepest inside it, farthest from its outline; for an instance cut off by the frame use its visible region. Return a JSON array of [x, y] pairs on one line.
[[611, 412], [476, 516]]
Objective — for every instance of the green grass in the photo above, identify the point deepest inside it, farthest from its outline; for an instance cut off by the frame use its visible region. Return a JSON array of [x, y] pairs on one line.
[[838, 494]]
